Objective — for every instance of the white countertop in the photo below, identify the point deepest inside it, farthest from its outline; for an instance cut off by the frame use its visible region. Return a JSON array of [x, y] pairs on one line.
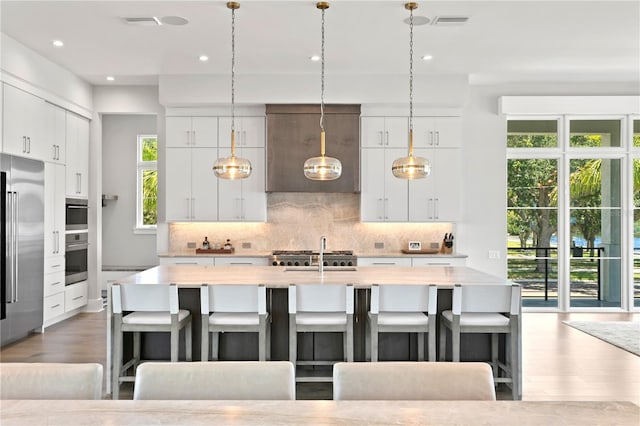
[[107, 412], [280, 276], [192, 253]]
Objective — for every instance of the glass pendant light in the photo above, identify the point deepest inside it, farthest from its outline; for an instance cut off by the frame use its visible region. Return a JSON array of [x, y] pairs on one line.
[[411, 167], [323, 167], [232, 167]]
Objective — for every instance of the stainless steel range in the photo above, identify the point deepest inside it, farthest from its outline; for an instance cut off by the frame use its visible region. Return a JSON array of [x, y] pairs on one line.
[[310, 258]]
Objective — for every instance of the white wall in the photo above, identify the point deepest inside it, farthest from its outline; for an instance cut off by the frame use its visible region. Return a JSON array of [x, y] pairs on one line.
[[120, 246]]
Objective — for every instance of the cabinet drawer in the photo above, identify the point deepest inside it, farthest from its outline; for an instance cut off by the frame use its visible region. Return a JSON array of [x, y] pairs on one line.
[[241, 261], [186, 261], [53, 307], [53, 264], [53, 283], [384, 261], [431, 261], [75, 296]]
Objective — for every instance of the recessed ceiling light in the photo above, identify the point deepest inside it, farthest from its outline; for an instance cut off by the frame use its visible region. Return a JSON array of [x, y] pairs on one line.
[[110, 78], [204, 58], [427, 57], [314, 58], [57, 43]]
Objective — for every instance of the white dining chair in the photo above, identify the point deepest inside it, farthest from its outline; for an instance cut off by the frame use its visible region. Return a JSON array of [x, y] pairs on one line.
[[22, 380], [232, 380], [491, 309], [320, 308], [141, 308], [234, 308], [404, 309], [413, 381]]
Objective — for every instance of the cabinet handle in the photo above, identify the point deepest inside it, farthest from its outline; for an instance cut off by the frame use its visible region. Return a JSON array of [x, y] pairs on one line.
[[430, 207], [185, 263], [381, 133], [193, 208], [240, 263], [242, 208], [77, 298], [384, 263], [54, 152], [193, 137], [56, 283], [58, 152], [437, 138], [24, 144], [380, 201], [244, 138], [55, 306], [436, 207], [55, 243], [28, 145], [386, 208], [387, 135]]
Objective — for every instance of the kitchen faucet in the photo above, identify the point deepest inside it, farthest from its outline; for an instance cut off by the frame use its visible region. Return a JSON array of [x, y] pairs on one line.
[[323, 247]]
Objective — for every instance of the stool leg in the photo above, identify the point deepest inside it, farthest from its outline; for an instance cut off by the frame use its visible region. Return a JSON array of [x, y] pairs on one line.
[[189, 341], [215, 342], [515, 365], [262, 339], [443, 341], [268, 342], [494, 355], [420, 346], [117, 357], [136, 350], [349, 334], [204, 340], [374, 343], [175, 341], [293, 339], [455, 343]]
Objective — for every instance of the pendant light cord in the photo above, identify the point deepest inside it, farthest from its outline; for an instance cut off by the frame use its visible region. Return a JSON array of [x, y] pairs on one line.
[[233, 68], [411, 71], [322, 76]]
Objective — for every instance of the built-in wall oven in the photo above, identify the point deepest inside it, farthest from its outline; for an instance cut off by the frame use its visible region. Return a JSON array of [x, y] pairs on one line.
[[76, 240]]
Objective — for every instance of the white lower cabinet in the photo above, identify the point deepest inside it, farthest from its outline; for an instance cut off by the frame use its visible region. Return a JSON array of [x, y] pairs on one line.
[[384, 261], [187, 261], [241, 261], [433, 261], [75, 296], [53, 283], [53, 307]]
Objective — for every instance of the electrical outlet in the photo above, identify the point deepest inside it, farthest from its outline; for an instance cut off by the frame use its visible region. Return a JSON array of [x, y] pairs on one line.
[[246, 245], [378, 245], [435, 245], [494, 254], [191, 245]]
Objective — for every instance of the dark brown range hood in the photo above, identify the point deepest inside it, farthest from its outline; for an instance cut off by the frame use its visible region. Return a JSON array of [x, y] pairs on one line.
[[293, 136]]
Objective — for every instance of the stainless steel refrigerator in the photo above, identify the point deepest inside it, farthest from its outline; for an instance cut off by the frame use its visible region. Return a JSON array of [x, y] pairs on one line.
[[22, 217]]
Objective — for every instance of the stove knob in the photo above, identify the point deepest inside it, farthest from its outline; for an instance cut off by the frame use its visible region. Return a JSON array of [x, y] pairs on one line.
[[306, 263], [335, 263], [289, 263], [342, 264], [325, 263], [274, 263], [350, 263], [282, 263], [296, 263]]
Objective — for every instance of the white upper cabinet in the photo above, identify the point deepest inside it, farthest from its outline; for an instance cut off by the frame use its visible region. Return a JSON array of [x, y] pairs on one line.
[[437, 197], [437, 132], [191, 186], [244, 199], [384, 198], [192, 132], [250, 132], [77, 156], [380, 132], [56, 131], [24, 117]]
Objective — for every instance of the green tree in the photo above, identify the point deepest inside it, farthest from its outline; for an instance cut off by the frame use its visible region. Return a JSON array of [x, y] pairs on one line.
[[149, 183]]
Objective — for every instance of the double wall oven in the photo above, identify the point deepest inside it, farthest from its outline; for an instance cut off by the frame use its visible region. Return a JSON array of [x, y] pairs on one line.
[[76, 240]]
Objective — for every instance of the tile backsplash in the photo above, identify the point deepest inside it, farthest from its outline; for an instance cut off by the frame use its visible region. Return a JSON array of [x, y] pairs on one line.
[[295, 221]]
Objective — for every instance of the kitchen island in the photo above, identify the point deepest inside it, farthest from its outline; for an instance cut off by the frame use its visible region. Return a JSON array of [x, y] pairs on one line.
[[243, 346]]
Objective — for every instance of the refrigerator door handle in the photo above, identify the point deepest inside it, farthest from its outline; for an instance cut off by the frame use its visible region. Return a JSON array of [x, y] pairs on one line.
[[16, 208]]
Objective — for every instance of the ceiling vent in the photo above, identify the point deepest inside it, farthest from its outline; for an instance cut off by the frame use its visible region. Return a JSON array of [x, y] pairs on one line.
[[450, 20], [143, 20]]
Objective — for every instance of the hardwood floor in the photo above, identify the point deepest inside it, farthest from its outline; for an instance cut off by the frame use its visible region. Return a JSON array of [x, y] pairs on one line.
[[559, 362]]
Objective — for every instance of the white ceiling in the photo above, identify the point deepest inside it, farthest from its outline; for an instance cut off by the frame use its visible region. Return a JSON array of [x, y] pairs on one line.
[[503, 40]]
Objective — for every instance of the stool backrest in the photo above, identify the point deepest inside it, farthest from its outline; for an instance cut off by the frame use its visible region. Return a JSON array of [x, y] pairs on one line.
[[486, 298], [403, 298], [145, 298], [218, 380], [233, 298], [320, 298], [50, 381], [413, 381]]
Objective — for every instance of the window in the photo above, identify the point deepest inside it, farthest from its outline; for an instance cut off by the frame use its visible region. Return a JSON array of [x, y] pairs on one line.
[[147, 182]]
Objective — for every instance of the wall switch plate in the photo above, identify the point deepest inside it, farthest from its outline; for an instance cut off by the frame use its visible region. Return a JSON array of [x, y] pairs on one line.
[[191, 245], [494, 254], [378, 245], [246, 245], [434, 245]]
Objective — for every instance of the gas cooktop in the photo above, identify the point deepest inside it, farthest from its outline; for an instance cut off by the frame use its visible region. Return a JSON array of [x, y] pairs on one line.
[[309, 257]]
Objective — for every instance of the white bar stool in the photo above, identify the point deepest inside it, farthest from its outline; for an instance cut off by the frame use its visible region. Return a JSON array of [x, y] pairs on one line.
[[401, 309], [154, 309], [234, 308], [491, 309]]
